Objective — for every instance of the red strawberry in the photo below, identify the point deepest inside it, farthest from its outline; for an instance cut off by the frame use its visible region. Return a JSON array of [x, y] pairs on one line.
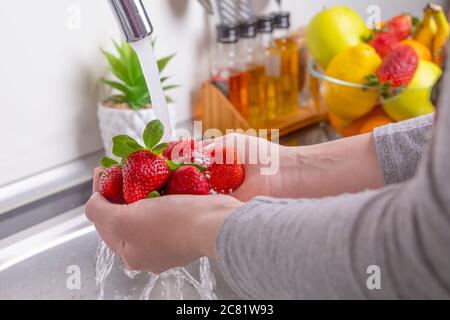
[[384, 43], [188, 180], [143, 173], [111, 185], [401, 26], [225, 174], [399, 67], [182, 151]]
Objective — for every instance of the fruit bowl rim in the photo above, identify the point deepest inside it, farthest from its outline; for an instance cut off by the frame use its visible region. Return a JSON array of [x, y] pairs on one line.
[[312, 66]]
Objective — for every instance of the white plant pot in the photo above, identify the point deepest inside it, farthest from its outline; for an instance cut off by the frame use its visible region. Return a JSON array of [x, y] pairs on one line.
[[114, 122]]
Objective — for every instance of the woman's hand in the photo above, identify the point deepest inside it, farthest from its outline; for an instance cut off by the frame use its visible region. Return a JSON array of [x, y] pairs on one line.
[[344, 166], [270, 169], [159, 234]]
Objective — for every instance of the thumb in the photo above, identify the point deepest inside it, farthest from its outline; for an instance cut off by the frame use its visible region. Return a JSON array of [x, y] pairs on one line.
[[97, 174], [102, 212]]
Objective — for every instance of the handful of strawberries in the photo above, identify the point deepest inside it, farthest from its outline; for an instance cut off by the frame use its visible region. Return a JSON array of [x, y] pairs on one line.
[[181, 167]]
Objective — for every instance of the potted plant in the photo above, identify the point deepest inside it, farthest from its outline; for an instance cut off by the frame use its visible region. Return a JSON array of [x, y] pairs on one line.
[[128, 109]]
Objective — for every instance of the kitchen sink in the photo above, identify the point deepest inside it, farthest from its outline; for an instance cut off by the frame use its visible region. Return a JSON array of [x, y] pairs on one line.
[[48, 247], [39, 263], [46, 241]]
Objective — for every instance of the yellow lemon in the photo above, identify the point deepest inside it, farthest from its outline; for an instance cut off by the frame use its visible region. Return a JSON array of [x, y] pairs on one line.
[[353, 65]]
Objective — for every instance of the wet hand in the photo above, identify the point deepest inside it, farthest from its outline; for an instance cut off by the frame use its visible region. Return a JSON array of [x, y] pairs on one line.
[[156, 235]]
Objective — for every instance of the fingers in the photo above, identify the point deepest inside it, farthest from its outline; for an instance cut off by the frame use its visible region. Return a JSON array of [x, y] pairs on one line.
[[116, 245], [97, 173], [113, 243], [106, 216]]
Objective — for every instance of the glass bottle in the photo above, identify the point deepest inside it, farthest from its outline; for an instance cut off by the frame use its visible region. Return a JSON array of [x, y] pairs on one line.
[[252, 86], [269, 56], [288, 48], [226, 63]]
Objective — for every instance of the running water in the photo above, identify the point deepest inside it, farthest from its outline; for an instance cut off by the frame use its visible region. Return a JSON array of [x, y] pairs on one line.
[[146, 55], [172, 281], [103, 266]]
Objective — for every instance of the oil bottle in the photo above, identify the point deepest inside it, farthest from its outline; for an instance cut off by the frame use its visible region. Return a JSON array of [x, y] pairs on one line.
[[226, 63], [247, 87], [269, 56], [253, 79], [288, 47]]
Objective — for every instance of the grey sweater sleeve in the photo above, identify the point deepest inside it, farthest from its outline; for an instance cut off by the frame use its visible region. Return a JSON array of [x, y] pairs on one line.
[[400, 147], [324, 249]]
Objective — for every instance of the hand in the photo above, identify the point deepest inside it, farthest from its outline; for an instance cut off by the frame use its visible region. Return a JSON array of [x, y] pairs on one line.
[[344, 166], [156, 235], [270, 169]]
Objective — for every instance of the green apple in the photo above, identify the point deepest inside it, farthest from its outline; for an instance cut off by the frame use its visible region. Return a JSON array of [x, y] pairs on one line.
[[334, 30], [415, 100]]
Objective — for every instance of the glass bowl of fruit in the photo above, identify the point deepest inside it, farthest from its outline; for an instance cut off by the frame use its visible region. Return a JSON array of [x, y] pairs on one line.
[[362, 92], [374, 73]]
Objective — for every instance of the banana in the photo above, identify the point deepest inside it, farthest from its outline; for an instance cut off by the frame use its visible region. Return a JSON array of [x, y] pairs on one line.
[[442, 36], [427, 29]]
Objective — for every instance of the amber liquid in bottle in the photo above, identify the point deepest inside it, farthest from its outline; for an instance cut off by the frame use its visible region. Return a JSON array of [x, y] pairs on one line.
[[247, 91], [256, 93], [238, 93], [289, 77], [273, 92]]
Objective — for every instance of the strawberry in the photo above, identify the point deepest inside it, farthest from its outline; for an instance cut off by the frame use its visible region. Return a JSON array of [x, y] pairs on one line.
[[401, 26], [143, 173], [399, 67], [182, 151], [225, 173], [111, 184], [188, 180], [384, 43]]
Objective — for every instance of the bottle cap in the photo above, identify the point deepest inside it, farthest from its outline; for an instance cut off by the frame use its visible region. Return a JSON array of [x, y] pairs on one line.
[[227, 33], [265, 24], [248, 29], [282, 20]]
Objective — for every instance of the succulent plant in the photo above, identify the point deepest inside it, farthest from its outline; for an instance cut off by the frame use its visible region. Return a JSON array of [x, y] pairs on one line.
[[130, 82]]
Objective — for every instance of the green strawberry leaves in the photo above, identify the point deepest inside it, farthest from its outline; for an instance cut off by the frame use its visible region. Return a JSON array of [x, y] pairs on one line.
[[108, 162], [153, 134], [154, 194], [159, 149], [173, 166], [372, 81], [124, 146], [386, 90]]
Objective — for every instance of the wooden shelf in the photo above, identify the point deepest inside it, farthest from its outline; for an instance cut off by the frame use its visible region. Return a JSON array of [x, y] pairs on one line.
[[217, 112]]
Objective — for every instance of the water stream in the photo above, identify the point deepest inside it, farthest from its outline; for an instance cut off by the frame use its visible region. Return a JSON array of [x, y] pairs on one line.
[[146, 55], [173, 281]]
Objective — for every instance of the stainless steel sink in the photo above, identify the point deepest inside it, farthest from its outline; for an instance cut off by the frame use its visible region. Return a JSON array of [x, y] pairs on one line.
[[38, 263], [45, 237]]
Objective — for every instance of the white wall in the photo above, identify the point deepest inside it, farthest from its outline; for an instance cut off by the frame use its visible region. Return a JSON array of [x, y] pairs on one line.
[[50, 64]]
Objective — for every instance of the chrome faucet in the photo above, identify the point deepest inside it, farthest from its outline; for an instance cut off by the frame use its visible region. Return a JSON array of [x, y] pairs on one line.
[[132, 18]]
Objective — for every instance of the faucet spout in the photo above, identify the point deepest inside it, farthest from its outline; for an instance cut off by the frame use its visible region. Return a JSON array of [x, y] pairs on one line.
[[132, 18]]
